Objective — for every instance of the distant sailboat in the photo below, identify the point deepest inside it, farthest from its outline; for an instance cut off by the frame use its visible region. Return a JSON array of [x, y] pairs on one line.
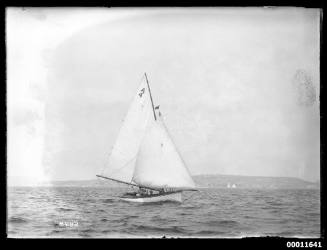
[[231, 186], [144, 155]]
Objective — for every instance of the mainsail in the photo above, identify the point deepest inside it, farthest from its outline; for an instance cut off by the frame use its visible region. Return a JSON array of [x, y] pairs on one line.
[[144, 153], [123, 155]]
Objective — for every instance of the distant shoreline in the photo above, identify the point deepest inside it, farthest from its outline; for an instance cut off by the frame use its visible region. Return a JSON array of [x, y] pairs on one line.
[[202, 181]]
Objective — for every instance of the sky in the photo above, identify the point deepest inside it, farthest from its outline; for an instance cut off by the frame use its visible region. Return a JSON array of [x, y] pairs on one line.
[[238, 87]]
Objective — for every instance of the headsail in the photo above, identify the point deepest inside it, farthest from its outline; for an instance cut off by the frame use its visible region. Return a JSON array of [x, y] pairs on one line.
[[122, 158], [158, 164]]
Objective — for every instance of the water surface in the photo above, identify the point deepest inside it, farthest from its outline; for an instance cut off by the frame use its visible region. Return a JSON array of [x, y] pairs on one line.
[[95, 212]]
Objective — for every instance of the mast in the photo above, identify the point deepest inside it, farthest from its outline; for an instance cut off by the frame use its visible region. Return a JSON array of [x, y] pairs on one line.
[[154, 113]]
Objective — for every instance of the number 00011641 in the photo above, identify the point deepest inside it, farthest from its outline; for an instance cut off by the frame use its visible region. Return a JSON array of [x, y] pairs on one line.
[[305, 244]]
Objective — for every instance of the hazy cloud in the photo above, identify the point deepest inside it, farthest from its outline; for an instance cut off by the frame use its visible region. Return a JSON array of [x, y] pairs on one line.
[[227, 81]]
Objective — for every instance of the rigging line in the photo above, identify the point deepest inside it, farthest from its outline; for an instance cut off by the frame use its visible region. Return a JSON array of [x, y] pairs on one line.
[[174, 144]]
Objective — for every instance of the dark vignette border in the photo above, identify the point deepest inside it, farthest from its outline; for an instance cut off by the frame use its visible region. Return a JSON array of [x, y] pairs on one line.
[[262, 242]]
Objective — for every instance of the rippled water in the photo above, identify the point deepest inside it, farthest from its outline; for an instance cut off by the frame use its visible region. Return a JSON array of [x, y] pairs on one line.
[[95, 212]]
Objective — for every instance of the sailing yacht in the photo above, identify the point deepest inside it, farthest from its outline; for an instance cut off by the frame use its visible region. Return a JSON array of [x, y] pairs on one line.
[[144, 155]]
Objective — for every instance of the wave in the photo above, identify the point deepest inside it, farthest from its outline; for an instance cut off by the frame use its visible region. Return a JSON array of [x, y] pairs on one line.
[[131, 216], [101, 210], [183, 213], [84, 234], [273, 204], [110, 200], [15, 219], [189, 207], [65, 209], [156, 229], [198, 217], [55, 231], [88, 230], [108, 231], [158, 219], [209, 233], [89, 200], [223, 223], [312, 214]]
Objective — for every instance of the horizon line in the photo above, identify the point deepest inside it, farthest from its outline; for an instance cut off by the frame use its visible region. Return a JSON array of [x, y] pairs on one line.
[[95, 178]]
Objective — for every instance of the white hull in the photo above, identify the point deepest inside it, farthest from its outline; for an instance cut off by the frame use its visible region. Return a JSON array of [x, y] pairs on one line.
[[166, 197]]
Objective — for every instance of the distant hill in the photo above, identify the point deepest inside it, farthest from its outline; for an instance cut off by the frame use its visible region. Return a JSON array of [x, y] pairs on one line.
[[253, 182], [212, 181]]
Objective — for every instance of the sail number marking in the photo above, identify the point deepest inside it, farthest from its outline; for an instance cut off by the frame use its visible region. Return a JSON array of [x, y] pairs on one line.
[[142, 92]]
